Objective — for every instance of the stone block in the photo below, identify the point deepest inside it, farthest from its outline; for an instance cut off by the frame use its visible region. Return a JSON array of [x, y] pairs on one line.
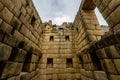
[[114, 77], [8, 69], [90, 74], [59, 61], [92, 38], [59, 66], [24, 20], [18, 35], [1, 6], [23, 2], [113, 4], [76, 65], [23, 10], [42, 66], [25, 76], [61, 76], [101, 54], [109, 66], [16, 12], [17, 4], [113, 19], [28, 67], [100, 75], [28, 9], [10, 40], [34, 58], [111, 52], [82, 71], [8, 4], [6, 15], [5, 52], [97, 32], [15, 23], [18, 69], [25, 31], [77, 75], [42, 72], [5, 27], [83, 77], [17, 55], [117, 64]]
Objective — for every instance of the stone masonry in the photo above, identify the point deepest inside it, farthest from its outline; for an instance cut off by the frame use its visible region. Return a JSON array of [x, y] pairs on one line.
[[81, 50]]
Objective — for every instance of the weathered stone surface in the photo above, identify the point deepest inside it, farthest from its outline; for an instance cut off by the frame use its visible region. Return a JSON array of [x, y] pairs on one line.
[[8, 4], [6, 27], [115, 77], [16, 23], [10, 40], [1, 6], [109, 66], [6, 15], [8, 69], [117, 64], [100, 75], [17, 3], [5, 52]]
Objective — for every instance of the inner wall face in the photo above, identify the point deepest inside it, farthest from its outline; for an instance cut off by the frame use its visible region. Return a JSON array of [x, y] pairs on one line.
[[59, 60]]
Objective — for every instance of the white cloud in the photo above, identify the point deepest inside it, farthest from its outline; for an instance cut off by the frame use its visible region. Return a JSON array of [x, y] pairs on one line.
[[57, 10], [62, 18], [60, 10]]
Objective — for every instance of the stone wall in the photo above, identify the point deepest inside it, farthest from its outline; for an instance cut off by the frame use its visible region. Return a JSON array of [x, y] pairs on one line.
[[58, 61], [101, 58], [32, 50], [20, 33]]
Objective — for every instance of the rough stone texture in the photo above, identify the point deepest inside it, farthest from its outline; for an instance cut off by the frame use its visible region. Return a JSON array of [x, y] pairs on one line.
[[82, 50], [17, 45]]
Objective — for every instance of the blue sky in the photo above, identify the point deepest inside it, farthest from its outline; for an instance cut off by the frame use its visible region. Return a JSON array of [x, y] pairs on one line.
[[60, 11]]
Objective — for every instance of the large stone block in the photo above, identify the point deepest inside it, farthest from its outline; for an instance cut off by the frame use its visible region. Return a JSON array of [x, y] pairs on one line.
[[117, 64], [1, 6], [18, 35], [113, 4], [109, 66], [5, 52], [16, 12], [5, 27], [25, 31], [23, 10], [42, 66], [8, 4], [113, 19], [10, 40], [6, 15], [29, 67], [8, 69], [15, 23], [100, 75], [59, 61], [17, 3], [111, 52], [18, 69], [17, 55], [59, 66], [114, 77], [101, 54]]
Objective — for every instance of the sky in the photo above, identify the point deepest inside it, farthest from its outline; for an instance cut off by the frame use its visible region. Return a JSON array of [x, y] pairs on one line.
[[60, 11]]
